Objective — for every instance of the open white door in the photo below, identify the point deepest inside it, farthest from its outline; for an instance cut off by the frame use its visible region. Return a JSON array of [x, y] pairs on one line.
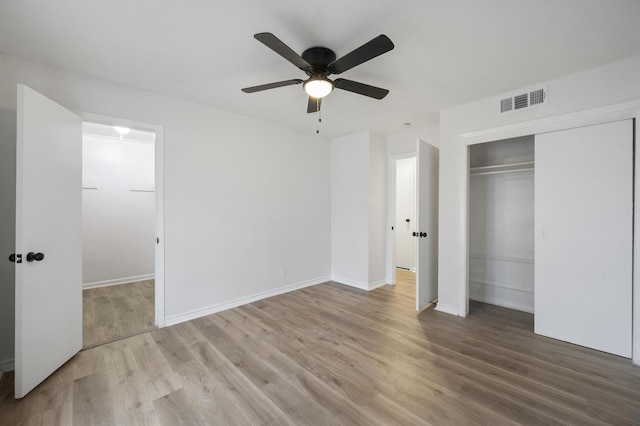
[[426, 229], [49, 222], [583, 240]]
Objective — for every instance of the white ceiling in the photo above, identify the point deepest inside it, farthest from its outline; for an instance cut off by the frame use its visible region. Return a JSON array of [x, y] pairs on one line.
[[448, 52]]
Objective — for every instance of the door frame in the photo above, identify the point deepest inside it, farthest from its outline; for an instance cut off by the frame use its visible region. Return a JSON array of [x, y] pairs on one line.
[[391, 213], [601, 115], [159, 200]]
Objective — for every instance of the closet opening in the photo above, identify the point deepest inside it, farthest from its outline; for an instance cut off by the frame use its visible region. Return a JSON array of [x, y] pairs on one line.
[[119, 232], [501, 223]]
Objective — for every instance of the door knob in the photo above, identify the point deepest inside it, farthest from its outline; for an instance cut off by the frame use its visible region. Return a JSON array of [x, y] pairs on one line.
[[31, 256], [407, 220], [12, 257]]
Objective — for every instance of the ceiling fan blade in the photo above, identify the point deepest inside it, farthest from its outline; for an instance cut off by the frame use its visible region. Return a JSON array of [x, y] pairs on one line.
[[367, 51], [268, 86], [360, 88], [275, 44], [314, 104]]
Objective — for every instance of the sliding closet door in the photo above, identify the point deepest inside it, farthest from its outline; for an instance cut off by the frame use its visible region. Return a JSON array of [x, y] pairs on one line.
[[583, 242]]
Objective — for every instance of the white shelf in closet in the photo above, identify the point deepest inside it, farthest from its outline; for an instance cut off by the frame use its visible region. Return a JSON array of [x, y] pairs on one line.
[[502, 168]]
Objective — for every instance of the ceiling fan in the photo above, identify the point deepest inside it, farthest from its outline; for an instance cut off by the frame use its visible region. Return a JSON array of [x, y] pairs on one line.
[[319, 63]]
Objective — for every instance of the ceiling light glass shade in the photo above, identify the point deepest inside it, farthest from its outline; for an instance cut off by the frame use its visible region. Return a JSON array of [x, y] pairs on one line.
[[318, 87], [122, 130]]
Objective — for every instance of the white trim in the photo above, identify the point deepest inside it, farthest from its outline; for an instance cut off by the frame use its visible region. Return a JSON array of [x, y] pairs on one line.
[[609, 113], [551, 124], [377, 284], [188, 316], [118, 281], [7, 365], [358, 284], [635, 345], [159, 197], [160, 246], [451, 310]]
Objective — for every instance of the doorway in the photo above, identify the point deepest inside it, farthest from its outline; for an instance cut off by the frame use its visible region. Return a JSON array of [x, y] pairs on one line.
[[119, 237], [423, 229], [557, 241], [401, 172], [405, 213], [501, 223]]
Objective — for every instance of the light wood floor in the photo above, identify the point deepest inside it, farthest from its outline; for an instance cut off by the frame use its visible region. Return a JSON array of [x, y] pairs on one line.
[[117, 311], [331, 354]]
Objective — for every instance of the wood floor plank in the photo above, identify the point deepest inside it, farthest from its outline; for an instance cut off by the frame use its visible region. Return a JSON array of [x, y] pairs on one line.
[[331, 354], [279, 388], [243, 393], [93, 400], [174, 409]]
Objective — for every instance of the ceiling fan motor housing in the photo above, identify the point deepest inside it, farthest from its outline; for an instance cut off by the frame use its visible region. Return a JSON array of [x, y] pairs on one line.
[[319, 58]]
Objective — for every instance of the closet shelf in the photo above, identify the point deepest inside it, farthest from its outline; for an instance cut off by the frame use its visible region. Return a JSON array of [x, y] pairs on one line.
[[502, 168]]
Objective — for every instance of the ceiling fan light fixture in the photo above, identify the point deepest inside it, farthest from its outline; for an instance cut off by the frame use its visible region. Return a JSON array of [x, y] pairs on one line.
[[122, 130], [318, 87]]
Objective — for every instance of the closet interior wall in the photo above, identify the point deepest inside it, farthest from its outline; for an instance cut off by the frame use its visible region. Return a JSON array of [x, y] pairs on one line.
[[501, 223]]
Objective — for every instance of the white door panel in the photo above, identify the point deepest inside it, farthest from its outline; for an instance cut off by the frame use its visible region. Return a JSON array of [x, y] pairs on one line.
[[583, 242], [427, 224], [49, 221]]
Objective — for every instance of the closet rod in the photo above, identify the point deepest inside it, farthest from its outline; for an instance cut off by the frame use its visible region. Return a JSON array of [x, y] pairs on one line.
[[502, 168], [495, 172]]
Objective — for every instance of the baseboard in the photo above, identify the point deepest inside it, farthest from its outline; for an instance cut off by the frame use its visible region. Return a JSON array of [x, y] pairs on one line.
[[118, 281], [447, 309], [358, 284], [188, 316], [7, 365], [377, 284]]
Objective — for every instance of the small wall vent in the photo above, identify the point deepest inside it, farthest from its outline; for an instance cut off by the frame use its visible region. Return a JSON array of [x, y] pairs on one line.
[[522, 99]]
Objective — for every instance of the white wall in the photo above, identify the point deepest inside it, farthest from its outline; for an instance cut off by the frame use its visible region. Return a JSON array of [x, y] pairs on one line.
[[350, 209], [358, 182], [118, 210], [243, 198], [404, 142], [606, 85], [377, 209]]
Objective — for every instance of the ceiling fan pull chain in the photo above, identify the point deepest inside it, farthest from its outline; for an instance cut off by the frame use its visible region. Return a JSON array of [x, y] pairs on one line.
[[319, 117]]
